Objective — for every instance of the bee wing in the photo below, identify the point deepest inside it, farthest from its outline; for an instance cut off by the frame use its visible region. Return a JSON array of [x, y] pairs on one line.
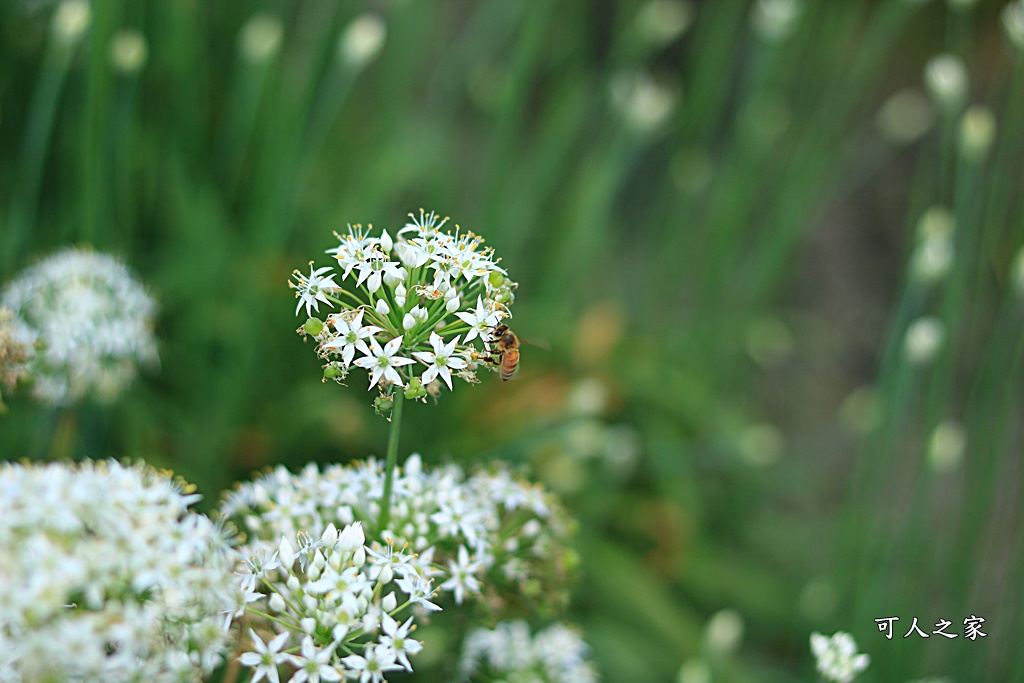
[[542, 343]]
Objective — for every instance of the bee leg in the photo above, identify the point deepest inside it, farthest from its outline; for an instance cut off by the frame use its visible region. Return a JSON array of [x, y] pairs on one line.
[[489, 359]]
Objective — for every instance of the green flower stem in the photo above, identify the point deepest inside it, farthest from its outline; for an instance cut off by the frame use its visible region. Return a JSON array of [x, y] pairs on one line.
[[392, 457]]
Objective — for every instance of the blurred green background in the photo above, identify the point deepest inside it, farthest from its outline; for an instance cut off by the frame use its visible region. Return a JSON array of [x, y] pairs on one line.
[[714, 211]]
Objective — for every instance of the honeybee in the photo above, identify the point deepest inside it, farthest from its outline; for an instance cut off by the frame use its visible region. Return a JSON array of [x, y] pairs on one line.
[[505, 344]]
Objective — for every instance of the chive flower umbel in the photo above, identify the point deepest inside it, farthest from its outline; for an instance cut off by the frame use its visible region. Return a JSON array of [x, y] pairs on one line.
[[93, 321], [107, 576], [416, 310]]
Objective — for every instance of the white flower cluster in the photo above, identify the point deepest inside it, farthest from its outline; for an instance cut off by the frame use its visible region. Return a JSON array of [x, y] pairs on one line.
[[93, 320], [411, 306], [106, 576], [489, 532], [556, 654], [339, 600], [837, 658]]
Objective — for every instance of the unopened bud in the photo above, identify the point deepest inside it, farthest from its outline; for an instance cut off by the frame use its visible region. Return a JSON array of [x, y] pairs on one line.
[[382, 405], [286, 553], [415, 390], [382, 307], [313, 327], [352, 537]]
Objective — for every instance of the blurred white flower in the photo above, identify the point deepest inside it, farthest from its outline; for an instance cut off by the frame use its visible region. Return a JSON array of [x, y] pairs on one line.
[[1013, 23], [93, 320], [128, 51], [362, 40], [71, 20], [905, 116], [977, 131], [837, 658], [659, 22], [107, 576], [945, 76], [644, 102], [924, 338], [508, 652], [724, 631], [946, 446], [774, 20], [260, 38], [934, 252]]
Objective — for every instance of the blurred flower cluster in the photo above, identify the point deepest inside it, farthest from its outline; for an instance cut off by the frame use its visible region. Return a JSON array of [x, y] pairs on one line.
[[556, 654], [92, 319], [106, 576], [416, 310], [486, 536], [837, 657]]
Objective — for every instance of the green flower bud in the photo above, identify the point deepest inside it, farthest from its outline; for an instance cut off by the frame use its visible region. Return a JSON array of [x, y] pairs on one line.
[[313, 327], [415, 389], [332, 371], [496, 279], [382, 405]]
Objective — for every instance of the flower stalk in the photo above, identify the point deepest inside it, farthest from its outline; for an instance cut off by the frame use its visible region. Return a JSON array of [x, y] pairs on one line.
[[391, 462]]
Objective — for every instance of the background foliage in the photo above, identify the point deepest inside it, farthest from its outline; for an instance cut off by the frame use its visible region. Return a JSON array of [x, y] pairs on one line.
[[711, 220]]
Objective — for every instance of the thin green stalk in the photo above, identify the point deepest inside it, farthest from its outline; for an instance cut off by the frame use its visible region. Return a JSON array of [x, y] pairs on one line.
[[35, 146], [392, 458]]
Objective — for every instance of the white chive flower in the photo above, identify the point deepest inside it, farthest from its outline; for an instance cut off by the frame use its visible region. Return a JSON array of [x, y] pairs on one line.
[[837, 658], [107, 562], [419, 292], [440, 361], [382, 361], [92, 320], [312, 288], [508, 652], [468, 533]]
